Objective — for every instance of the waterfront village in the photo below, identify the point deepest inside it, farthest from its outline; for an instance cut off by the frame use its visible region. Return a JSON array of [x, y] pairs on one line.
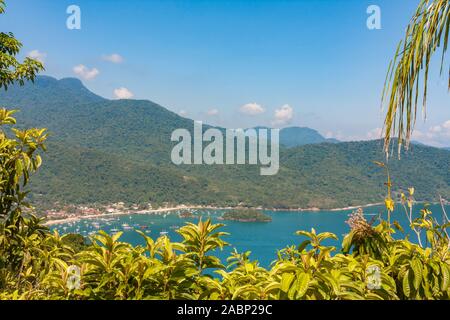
[[75, 211]]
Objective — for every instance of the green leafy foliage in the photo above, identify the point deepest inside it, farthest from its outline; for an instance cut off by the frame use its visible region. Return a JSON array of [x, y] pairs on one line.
[[19, 158], [111, 269]]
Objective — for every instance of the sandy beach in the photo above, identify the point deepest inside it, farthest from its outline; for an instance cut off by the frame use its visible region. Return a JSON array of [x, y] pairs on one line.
[[121, 213], [184, 207]]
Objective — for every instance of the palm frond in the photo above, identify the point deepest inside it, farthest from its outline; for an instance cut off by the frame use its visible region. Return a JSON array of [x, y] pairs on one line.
[[427, 32]]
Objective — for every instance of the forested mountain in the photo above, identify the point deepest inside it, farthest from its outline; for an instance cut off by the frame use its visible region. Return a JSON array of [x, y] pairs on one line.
[[104, 151]]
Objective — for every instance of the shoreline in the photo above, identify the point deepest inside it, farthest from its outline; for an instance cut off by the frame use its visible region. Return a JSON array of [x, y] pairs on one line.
[[184, 207], [125, 213]]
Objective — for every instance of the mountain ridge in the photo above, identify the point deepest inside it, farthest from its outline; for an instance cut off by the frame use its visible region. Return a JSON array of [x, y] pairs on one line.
[[104, 151]]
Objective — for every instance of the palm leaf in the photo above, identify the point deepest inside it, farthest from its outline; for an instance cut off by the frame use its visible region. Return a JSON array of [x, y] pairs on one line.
[[427, 31]]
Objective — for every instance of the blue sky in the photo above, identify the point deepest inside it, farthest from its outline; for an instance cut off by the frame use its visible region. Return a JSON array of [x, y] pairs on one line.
[[234, 63]]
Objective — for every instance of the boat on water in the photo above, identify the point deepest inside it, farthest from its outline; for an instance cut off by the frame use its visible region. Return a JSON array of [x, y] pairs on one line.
[[126, 226], [107, 219], [96, 225], [163, 233]]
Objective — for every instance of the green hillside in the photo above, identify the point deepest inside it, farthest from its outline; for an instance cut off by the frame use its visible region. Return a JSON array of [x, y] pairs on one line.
[[119, 150]]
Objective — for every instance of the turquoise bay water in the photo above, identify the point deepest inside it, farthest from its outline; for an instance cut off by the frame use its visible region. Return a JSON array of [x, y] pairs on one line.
[[262, 239]]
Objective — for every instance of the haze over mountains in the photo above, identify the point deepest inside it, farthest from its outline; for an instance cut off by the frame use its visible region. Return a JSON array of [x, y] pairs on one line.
[[119, 150]]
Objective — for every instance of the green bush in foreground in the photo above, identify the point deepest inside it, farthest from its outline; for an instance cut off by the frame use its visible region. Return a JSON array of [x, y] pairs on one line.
[[371, 265]]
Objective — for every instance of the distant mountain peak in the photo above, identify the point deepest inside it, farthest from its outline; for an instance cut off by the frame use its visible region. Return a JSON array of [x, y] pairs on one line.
[[72, 81], [46, 89], [297, 136], [43, 81], [64, 83]]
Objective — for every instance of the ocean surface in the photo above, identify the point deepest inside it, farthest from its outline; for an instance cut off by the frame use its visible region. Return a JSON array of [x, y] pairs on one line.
[[262, 239]]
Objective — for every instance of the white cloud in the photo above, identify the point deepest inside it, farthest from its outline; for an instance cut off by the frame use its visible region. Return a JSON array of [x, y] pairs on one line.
[[252, 109], [37, 55], [375, 134], [86, 73], [339, 135], [123, 93], [436, 129], [342, 136], [114, 58], [438, 136], [446, 125], [183, 113], [212, 112], [283, 115], [329, 135]]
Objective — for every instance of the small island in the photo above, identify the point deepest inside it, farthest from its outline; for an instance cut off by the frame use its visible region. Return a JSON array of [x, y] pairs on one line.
[[186, 215], [246, 215]]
